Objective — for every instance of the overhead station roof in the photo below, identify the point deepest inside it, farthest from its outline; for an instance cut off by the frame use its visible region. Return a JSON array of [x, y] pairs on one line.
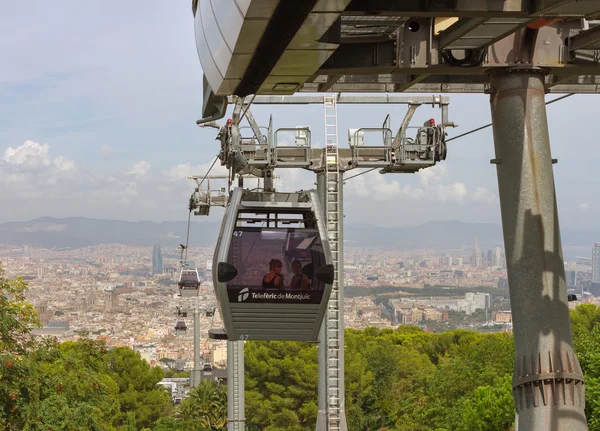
[[278, 47]]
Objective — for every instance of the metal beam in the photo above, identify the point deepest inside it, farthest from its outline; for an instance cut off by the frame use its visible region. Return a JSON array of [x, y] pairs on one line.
[[439, 8], [566, 8], [331, 80], [373, 56], [458, 30], [472, 33], [387, 99], [588, 39], [473, 8]]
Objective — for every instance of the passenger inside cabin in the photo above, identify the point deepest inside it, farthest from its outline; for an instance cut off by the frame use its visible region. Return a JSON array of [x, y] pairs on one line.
[[299, 280], [274, 278]]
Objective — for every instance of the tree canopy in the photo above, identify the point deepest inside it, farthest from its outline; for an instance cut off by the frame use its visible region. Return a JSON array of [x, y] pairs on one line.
[[403, 379]]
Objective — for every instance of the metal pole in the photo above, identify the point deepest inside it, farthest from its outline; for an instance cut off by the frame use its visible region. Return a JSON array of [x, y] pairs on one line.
[[235, 386], [196, 371], [548, 381], [322, 361], [341, 328], [331, 412]]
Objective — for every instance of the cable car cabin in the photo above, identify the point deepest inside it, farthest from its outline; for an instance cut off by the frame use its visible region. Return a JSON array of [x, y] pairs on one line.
[[181, 312], [180, 328], [274, 267], [189, 282]]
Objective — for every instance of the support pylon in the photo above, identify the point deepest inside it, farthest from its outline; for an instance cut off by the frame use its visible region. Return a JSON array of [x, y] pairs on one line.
[[548, 382]]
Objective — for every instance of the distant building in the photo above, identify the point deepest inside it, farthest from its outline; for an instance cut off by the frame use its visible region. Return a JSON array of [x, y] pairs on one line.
[[476, 255], [44, 314], [432, 315], [53, 327], [218, 355], [596, 263], [571, 278], [417, 315], [478, 300], [502, 317], [111, 300], [498, 257], [157, 260], [147, 353], [178, 387]]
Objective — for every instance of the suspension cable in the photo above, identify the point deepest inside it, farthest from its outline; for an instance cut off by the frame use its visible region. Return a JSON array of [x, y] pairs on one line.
[[488, 125], [359, 174], [191, 207]]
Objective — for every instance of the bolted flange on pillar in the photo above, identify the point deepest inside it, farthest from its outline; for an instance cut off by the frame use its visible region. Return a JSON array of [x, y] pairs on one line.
[[548, 386]]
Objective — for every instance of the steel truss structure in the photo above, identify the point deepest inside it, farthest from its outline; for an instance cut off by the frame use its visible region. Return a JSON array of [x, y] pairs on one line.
[[278, 47], [259, 154], [514, 50]]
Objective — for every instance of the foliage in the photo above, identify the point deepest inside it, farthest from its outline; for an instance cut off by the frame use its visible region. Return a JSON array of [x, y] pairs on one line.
[[404, 379], [17, 316], [142, 401], [58, 386], [206, 406], [585, 321], [281, 385]]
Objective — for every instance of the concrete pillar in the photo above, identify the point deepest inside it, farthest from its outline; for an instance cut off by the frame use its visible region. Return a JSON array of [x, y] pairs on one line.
[[548, 382]]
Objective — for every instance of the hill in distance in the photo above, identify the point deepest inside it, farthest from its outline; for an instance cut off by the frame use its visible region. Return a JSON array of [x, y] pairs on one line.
[[76, 232]]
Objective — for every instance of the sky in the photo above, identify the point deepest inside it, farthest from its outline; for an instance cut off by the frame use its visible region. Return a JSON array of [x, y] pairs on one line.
[[97, 119]]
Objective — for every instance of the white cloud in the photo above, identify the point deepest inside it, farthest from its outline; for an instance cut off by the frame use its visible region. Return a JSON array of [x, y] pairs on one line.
[[140, 169], [51, 184], [583, 206], [429, 187], [55, 185], [30, 155]]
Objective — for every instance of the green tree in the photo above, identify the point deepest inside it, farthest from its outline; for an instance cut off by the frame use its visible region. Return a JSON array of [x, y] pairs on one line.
[[142, 401], [206, 406], [281, 385], [471, 361], [17, 316], [490, 408], [585, 322], [59, 386]]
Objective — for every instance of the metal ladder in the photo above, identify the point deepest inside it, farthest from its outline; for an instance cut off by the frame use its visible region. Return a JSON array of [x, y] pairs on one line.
[[236, 422], [332, 173]]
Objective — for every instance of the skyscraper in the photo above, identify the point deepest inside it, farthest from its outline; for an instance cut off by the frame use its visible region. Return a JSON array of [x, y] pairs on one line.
[[157, 261], [497, 257], [596, 263], [476, 255]]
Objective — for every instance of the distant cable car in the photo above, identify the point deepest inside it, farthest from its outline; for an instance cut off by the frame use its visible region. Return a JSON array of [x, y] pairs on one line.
[[181, 312], [274, 267], [189, 282], [180, 328]]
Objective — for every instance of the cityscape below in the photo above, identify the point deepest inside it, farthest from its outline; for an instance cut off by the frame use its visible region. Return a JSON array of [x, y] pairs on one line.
[[127, 296]]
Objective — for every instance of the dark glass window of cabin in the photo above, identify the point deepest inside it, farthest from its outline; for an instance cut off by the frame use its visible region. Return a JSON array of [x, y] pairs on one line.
[[299, 251]]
